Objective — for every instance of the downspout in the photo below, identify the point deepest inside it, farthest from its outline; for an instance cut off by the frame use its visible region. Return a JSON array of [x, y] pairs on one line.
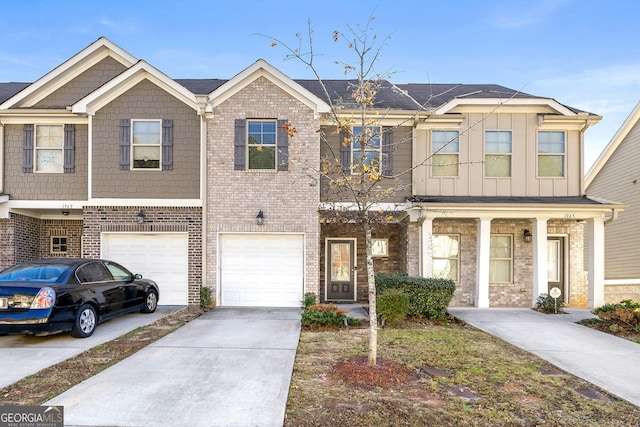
[[203, 187], [614, 217]]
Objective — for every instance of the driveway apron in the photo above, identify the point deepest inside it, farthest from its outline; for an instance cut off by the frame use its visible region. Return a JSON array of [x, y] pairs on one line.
[[229, 367], [606, 361]]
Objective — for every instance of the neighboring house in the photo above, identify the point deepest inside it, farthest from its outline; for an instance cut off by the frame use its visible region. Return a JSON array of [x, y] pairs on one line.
[[615, 176], [196, 182]]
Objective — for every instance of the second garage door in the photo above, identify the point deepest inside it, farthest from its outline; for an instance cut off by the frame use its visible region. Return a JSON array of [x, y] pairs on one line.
[[261, 270]]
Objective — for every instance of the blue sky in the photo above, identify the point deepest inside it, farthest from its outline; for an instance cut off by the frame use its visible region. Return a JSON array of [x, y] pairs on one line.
[[583, 53]]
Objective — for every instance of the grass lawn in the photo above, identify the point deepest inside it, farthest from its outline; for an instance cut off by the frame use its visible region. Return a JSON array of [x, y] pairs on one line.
[[438, 375]]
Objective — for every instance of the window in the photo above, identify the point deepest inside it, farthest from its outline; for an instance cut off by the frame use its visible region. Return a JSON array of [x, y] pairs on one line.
[[49, 149], [551, 151], [118, 272], [261, 137], [500, 259], [59, 245], [445, 255], [380, 247], [497, 154], [372, 147], [444, 152], [146, 143]]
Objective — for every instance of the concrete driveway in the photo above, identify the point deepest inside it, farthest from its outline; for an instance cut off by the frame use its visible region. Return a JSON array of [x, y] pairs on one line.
[[606, 361], [27, 354], [229, 367]]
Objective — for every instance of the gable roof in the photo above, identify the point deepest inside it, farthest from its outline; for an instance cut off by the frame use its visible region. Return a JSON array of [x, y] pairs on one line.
[[67, 71], [611, 147]]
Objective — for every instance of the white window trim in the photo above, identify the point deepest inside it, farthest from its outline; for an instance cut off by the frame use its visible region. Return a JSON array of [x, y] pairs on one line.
[[564, 154], [457, 258], [248, 145], [133, 160], [510, 154], [51, 247], [36, 149], [386, 247], [432, 153], [510, 236], [354, 151]]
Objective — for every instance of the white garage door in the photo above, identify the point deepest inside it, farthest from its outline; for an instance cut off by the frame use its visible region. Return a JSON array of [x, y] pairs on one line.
[[163, 258], [261, 270]]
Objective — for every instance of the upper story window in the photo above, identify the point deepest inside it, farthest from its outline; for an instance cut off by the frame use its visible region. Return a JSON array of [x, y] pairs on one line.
[[49, 149], [551, 153], [446, 256], [497, 154], [261, 142], [500, 259], [372, 154], [445, 152], [146, 143]]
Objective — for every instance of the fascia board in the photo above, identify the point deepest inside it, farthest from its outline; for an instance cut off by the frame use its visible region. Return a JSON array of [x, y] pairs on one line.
[[613, 145], [577, 212], [262, 68], [67, 71], [125, 81], [42, 117], [507, 102]]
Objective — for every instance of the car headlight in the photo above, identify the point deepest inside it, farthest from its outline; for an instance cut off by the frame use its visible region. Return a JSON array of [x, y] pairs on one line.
[[45, 298]]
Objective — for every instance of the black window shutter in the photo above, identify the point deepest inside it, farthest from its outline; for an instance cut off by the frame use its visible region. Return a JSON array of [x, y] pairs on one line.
[[387, 151], [125, 144], [283, 146], [167, 145], [69, 148], [27, 149], [345, 153], [240, 145]]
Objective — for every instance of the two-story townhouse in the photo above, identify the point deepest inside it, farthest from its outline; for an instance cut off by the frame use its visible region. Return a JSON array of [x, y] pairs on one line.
[[202, 182]]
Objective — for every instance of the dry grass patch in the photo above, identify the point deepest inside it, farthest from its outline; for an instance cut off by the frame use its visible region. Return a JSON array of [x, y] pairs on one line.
[[438, 374]]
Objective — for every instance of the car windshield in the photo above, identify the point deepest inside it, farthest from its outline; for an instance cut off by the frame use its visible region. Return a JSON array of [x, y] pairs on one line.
[[42, 273]]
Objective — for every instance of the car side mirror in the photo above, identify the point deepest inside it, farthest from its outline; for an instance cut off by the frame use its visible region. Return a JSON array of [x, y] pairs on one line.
[[138, 276]]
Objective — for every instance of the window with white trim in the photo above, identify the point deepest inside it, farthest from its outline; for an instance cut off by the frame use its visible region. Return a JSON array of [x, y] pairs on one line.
[[146, 144], [49, 149], [261, 143], [372, 154], [445, 152], [380, 247], [59, 245], [551, 153], [497, 153], [445, 250], [501, 259]]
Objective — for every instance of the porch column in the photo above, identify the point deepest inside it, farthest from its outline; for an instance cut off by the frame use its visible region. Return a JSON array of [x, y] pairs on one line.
[[540, 269], [483, 257], [596, 262], [426, 259]]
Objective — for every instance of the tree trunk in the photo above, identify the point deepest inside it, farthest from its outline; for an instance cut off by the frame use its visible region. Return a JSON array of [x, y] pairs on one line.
[[373, 316]]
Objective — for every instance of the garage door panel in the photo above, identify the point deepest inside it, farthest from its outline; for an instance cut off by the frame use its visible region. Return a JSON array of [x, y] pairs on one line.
[[261, 270], [163, 258]]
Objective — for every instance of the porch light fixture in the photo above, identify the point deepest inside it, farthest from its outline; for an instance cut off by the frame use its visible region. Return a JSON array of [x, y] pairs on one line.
[[141, 217], [65, 213], [527, 236], [260, 218]]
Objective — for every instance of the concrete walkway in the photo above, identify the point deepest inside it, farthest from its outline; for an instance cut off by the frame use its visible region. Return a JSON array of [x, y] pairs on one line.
[[229, 367], [608, 362]]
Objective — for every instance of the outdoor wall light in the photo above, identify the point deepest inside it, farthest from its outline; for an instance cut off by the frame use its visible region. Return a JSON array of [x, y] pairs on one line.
[[65, 213], [260, 218], [141, 217], [527, 236]]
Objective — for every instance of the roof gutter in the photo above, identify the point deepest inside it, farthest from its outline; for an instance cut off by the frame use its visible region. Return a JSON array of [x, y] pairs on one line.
[[614, 216]]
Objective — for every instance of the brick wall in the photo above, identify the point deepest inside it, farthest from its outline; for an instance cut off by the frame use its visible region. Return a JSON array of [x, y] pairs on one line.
[[158, 220], [26, 237], [7, 243], [615, 293], [289, 199], [71, 229]]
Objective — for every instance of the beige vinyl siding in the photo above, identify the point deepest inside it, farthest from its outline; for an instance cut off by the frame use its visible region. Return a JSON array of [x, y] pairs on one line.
[[146, 101], [401, 164], [524, 180], [44, 186], [619, 181]]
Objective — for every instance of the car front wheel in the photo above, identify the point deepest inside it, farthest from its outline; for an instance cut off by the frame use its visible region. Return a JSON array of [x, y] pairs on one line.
[[150, 302], [85, 323]]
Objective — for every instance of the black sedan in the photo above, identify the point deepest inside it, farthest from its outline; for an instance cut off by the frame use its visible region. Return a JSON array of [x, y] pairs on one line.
[[66, 294]]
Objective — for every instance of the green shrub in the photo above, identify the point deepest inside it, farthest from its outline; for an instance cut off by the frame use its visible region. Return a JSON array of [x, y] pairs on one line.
[[626, 311], [393, 305], [428, 297], [548, 304], [309, 299], [206, 299], [323, 315]]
